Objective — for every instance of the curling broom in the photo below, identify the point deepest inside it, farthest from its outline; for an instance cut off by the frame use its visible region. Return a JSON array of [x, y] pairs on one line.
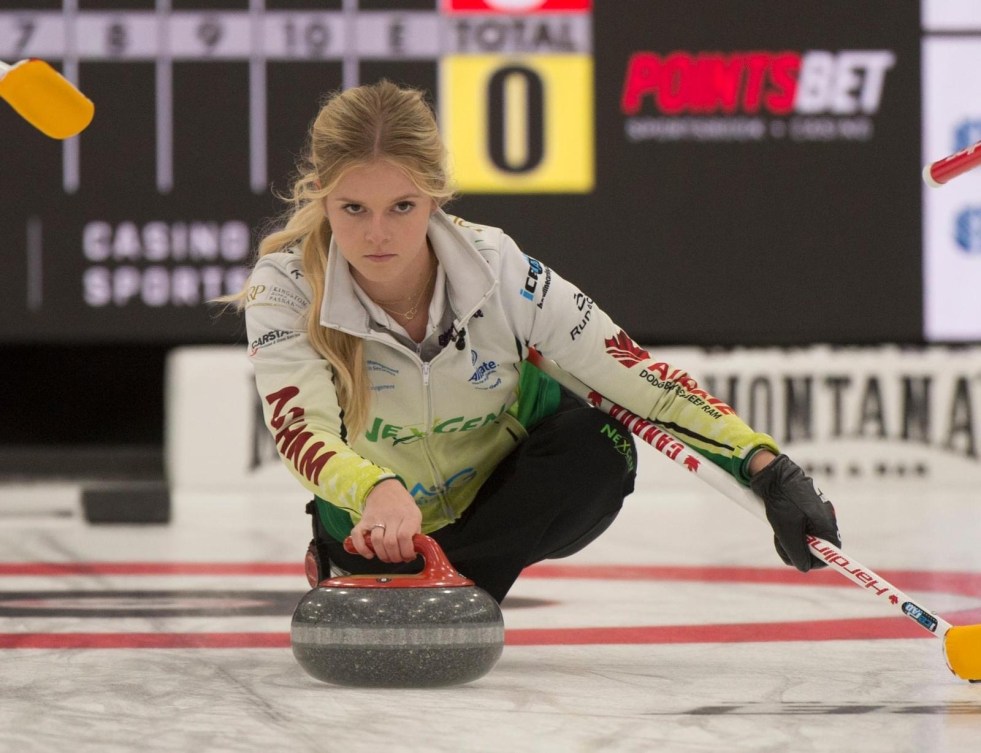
[[942, 170], [45, 98], [962, 643]]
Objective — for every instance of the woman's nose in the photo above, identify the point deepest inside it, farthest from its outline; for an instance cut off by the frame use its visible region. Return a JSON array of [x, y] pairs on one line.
[[377, 231]]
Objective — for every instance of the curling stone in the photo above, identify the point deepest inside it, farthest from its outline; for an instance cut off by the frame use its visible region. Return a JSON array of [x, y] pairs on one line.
[[399, 631]]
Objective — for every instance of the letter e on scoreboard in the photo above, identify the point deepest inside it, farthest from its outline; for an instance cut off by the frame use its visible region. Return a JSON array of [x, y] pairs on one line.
[[519, 124]]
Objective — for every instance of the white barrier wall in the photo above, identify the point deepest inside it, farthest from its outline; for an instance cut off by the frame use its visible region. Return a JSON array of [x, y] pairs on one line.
[[952, 215], [214, 438], [862, 415]]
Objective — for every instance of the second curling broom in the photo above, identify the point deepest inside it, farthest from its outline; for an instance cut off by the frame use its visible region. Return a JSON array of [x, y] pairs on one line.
[[961, 643]]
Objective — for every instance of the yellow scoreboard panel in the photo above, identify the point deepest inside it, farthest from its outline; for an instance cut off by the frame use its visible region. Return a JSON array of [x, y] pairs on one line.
[[519, 124]]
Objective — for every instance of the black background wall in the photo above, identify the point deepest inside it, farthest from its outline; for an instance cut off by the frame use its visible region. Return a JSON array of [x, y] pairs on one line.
[[778, 208]]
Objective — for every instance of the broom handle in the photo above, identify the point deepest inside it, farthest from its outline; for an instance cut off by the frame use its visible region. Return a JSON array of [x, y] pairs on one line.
[[672, 447]]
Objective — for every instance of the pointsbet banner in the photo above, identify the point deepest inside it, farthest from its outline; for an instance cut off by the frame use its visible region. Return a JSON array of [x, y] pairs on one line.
[[711, 173]]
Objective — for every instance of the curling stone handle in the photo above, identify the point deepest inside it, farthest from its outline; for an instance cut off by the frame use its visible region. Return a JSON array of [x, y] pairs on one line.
[[437, 570]]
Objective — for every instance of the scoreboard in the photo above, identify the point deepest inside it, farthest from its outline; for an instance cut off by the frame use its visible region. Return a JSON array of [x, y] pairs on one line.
[[706, 179], [496, 112]]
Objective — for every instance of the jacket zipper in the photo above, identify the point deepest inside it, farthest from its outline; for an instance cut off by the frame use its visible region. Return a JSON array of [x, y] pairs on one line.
[[441, 488]]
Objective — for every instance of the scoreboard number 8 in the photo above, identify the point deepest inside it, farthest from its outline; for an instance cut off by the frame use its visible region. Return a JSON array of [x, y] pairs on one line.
[[117, 38]]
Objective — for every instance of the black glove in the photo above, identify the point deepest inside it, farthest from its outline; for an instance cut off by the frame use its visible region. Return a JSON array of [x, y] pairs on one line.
[[795, 507]]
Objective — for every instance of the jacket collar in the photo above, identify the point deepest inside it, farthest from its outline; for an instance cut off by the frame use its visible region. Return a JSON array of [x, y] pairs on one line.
[[469, 279]]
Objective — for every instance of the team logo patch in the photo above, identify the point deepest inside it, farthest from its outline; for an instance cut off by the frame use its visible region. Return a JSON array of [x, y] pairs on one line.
[[625, 350], [484, 372]]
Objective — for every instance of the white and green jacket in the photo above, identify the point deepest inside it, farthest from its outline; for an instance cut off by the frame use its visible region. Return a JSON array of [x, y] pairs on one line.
[[443, 414]]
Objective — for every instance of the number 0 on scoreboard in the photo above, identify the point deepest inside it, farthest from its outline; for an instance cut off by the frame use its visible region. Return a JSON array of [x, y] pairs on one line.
[[519, 124]]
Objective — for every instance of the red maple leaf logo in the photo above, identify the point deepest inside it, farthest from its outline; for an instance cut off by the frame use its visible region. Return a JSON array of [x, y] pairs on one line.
[[692, 464], [625, 350], [893, 598], [595, 399]]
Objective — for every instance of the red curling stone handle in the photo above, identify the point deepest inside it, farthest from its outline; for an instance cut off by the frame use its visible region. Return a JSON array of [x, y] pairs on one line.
[[437, 572]]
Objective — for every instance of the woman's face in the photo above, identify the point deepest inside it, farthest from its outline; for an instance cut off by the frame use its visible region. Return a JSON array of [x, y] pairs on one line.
[[379, 218]]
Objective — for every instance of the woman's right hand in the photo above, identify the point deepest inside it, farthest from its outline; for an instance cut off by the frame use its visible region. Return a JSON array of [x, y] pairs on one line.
[[391, 518]]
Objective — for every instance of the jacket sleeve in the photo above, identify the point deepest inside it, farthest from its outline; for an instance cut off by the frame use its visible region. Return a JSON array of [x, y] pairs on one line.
[[296, 389], [563, 323]]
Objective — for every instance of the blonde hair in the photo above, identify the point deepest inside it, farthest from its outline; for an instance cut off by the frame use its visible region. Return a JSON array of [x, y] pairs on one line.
[[354, 128]]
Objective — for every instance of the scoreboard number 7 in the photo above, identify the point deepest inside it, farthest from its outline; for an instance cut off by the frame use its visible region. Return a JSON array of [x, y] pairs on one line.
[[25, 31]]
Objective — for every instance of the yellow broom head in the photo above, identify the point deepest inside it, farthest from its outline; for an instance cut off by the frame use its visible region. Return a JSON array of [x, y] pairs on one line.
[[45, 99], [962, 648]]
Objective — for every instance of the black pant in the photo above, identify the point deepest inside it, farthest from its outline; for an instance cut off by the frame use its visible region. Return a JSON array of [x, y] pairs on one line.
[[559, 490]]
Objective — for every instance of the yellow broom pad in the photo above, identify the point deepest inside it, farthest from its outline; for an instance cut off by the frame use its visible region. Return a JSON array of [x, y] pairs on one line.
[[46, 100], [962, 647]]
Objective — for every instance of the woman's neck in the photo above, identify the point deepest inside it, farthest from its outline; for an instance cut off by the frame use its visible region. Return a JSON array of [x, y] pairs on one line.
[[407, 304], [405, 290]]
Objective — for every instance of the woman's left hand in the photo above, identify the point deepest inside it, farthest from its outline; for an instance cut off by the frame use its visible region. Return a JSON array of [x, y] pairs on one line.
[[794, 506]]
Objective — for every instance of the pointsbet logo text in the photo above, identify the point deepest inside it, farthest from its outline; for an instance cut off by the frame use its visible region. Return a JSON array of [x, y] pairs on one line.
[[752, 95], [781, 83]]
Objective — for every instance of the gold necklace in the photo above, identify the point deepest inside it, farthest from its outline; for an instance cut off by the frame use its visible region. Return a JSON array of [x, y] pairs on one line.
[[411, 313]]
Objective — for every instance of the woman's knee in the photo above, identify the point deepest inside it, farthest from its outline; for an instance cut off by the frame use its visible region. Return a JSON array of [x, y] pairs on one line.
[[582, 540], [593, 442]]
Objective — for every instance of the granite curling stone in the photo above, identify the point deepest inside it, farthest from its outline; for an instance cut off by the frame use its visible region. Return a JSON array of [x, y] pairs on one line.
[[399, 631]]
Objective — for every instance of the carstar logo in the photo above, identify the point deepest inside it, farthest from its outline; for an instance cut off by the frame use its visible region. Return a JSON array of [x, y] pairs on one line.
[[270, 338], [625, 350]]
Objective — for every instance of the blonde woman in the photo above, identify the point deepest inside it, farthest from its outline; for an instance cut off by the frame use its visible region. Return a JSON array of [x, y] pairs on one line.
[[389, 340]]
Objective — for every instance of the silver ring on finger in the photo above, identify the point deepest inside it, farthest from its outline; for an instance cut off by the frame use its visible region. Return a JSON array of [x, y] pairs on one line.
[[377, 525]]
